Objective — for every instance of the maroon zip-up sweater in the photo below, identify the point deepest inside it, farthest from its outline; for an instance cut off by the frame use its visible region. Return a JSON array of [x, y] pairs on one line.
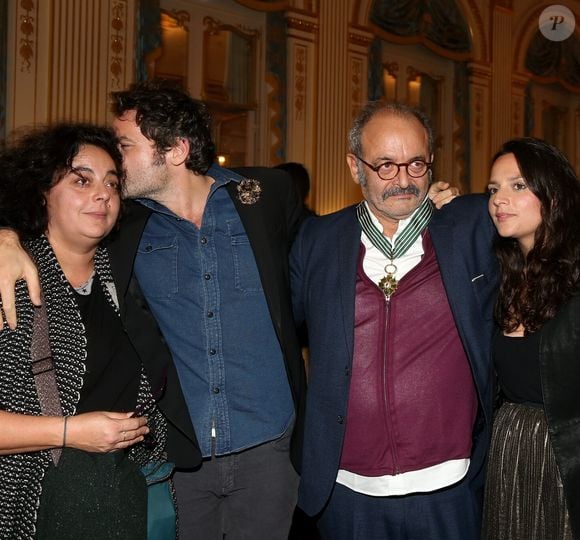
[[412, 401]]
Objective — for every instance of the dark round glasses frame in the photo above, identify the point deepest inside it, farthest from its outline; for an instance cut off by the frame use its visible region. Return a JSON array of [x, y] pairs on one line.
[[398, 166]]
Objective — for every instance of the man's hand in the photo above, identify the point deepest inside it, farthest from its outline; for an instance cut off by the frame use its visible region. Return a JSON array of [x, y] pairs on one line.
[[15, 264], [442, 193]]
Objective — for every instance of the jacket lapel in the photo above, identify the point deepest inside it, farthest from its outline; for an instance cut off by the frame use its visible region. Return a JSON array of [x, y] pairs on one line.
[[348, 240], [455, 275], [122, 259]]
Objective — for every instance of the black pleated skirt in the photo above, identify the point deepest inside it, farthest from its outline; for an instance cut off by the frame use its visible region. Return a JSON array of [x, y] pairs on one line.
[[93, 496], [524, 498]]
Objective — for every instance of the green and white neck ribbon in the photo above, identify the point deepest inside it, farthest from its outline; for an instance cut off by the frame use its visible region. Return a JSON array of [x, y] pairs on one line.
[[402, 243]]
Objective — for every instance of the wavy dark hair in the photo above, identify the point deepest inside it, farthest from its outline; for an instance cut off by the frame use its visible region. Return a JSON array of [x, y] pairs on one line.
[[533, 287], [165, 113], [36, 162]]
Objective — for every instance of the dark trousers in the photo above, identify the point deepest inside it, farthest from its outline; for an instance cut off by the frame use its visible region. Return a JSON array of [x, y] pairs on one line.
[[248, 495], [452, 513]]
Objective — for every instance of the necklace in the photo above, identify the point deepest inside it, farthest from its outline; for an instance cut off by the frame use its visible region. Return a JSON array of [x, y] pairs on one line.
[[85, 288], [388, 284]]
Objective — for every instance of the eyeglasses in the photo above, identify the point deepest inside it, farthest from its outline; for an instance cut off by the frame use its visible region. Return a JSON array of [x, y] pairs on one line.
[[389, 169]]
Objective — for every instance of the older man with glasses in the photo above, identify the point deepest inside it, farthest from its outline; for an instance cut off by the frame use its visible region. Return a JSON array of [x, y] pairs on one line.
[[398, 300]]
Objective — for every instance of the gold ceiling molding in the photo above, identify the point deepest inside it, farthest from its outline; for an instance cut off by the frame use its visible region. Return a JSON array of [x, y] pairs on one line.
[[505, 4], [215, 26], [520, 83], [301, 24], [27, 33], [523, 37], [178, 18], [357, 38], [265, 5], [474, 15], [480, 71]]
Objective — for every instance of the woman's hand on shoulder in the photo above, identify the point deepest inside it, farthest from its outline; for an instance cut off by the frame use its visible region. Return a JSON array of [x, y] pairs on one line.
[[105, 431]]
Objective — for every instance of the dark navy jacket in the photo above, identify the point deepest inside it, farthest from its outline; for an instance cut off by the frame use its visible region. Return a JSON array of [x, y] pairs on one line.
[[323, 265]]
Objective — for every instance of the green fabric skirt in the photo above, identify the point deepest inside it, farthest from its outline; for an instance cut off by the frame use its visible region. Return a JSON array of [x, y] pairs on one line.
[[96, 496]]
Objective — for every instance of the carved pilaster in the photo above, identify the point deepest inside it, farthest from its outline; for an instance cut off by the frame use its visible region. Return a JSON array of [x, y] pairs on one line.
[[359, 41], [479, 95], [301, 39], [117, 42], [26, 36], [519, 83]]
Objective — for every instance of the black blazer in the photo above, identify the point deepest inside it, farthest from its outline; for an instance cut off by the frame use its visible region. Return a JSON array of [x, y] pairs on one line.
[[324, 262], [560, 374], [138, 321], [271, 224]]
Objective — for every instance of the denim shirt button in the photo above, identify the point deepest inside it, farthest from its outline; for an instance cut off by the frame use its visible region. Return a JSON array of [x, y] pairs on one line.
[[212, 352], [216, 390], [203, 240], [209, 314], [207, 276]]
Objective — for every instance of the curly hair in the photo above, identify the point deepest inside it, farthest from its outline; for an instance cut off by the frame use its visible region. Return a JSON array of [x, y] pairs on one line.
[[36, 162], [533, 287], [165, 113]]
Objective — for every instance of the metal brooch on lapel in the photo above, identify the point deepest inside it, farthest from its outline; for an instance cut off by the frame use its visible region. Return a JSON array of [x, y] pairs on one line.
[[249, 191]]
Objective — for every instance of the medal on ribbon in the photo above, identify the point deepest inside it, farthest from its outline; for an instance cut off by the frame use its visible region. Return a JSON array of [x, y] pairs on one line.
[[420, 220], [388, 284]]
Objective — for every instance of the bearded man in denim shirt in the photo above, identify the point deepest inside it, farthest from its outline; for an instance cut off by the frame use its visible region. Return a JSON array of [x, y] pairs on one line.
[[212, 264]]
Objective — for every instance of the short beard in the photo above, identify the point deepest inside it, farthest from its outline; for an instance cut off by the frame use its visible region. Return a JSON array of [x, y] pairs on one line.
[[158, 158]]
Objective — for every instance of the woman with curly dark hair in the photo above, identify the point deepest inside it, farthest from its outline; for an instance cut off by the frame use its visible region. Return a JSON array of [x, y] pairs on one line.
[[71, 445], [533, 478]]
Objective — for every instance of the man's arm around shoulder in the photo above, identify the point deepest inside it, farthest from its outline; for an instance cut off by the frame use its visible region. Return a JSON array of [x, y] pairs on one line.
[[15, 264]]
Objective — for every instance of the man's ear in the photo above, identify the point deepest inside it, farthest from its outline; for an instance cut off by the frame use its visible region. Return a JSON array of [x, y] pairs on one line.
[[352, 163], [179, 152]]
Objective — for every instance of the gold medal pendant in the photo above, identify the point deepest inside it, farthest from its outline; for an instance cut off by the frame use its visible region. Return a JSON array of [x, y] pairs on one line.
[[389, 283]]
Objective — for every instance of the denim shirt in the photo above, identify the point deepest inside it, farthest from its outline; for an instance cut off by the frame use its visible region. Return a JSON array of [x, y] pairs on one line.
[[204, 289]]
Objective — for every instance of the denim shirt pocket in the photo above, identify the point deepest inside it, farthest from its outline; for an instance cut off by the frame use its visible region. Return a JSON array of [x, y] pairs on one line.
[[156, 265], [246, 275]]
